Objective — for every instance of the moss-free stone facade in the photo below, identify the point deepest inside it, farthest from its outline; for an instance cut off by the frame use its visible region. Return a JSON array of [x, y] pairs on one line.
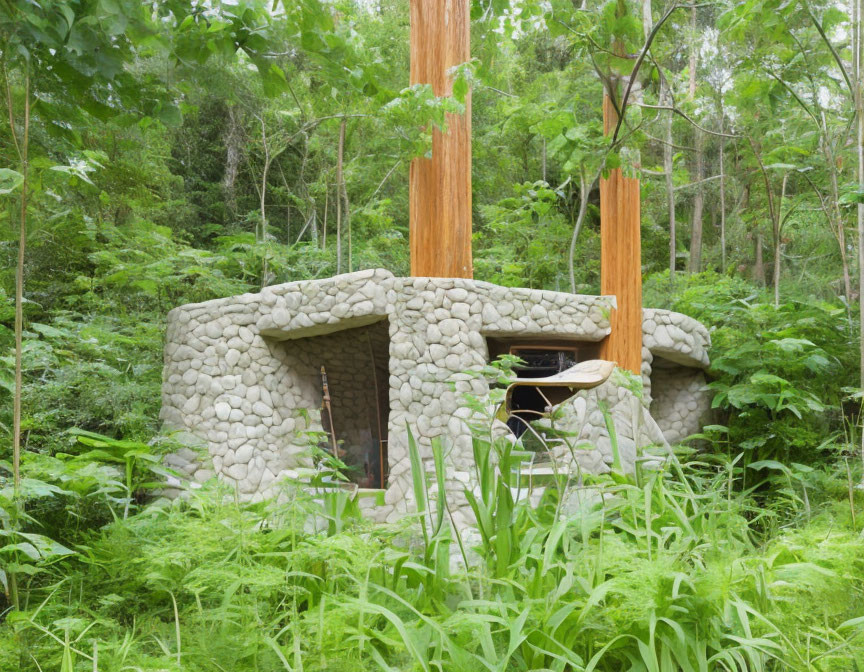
[[242, 374]]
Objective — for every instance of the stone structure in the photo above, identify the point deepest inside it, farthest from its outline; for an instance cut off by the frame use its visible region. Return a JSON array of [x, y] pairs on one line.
[[243, 375]]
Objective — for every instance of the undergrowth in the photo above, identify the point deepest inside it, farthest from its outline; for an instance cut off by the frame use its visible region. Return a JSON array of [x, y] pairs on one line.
[[686, 572]]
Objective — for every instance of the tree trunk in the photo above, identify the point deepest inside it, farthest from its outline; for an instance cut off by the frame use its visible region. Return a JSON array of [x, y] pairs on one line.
[[758, 273], [693, 64], [314, 230], [758, 263], [835, 216], [831, 206], [858, 6], [339, 152], [439, 187], [776, 273], [263, 193], [543, 159], [348, 225], [647, 19], [668, 169], [233, 154], [621, 260], [346, 203], [773, 213], [584, 191], [722, 202], [696, 223], [23, 150], [777, 238], [324, 225]]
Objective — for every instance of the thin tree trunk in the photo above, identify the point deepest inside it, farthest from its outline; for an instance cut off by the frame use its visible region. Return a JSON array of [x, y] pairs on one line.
[[339, 152], [348, 223], [263, 194], [584, 191], [722, 202], [695, 256], [776, 273], [777, 232], [759, 261], [772, 211], [324, 226], [23, 155], [858, 6], [543, 159], [24, 160], [696, 220], [835, 217], [693, 64], [647, 19], [233, 153], [831, 209], [668, 169], [314, 230], [841, 243]]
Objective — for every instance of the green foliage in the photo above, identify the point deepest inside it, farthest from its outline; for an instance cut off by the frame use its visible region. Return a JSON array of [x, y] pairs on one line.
[[666, 575], [778, 372], [524, 240], [147, 189]]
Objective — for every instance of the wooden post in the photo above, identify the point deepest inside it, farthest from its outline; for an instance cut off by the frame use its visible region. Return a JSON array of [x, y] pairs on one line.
[[621, 259], [440, 187]]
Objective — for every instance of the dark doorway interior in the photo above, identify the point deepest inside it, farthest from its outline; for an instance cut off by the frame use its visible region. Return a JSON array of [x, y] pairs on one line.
[[356, 363], [540, 358]]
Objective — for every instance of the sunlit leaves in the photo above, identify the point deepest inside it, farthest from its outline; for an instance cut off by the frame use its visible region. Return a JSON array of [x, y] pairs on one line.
[[415, 112], [10, 180]]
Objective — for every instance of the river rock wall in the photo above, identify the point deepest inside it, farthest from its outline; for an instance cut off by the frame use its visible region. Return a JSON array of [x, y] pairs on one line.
[[242, 374]]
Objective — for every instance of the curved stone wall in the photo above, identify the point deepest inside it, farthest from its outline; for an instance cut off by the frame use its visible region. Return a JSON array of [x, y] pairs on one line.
[[240, 377], [680, 404], [675, 337], [233, 375]]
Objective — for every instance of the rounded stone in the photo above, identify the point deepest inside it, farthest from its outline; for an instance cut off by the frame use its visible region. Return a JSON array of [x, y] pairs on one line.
[[450, 327], [237, 471], [461, 311], [192, 404], [406, 394], [433, 334], [261, 409], [244, 453]]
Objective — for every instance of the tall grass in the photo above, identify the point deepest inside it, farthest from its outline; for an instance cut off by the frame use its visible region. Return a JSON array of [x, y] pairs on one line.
[[684, 571]]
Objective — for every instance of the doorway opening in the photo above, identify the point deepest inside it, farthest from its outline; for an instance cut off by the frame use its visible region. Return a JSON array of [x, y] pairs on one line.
[[352, 365], [539, 359]]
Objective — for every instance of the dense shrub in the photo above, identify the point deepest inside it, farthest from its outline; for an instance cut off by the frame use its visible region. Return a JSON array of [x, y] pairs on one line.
[[778, 372]]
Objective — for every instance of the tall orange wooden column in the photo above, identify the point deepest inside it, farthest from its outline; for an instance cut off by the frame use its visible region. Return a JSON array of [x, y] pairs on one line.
[[440, 187], [621, 259]]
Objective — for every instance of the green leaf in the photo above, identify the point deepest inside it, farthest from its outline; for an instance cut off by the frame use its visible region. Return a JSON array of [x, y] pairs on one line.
[[47, 330], [460, 89], [10, 180], [768, 464], [170, 115]]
